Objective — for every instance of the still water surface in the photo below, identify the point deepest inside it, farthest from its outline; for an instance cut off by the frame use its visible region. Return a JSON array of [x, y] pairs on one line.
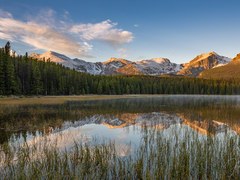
[[122, 121]]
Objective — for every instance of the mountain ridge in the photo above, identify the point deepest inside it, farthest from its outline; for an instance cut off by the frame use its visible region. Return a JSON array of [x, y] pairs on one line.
[[153, 66], [228, 71], [203, 62]]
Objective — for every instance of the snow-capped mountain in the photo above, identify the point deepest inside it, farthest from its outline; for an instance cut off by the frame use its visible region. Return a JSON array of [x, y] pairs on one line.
[[203, 62], [230, 70], [112, 65], [156, 66], [13, 53], [77, 64]]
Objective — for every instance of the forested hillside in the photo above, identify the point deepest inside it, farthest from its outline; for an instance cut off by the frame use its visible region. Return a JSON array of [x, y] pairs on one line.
[[22, 75]]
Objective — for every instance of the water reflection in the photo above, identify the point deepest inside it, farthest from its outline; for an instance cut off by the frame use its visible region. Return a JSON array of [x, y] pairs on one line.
[[122, 121]]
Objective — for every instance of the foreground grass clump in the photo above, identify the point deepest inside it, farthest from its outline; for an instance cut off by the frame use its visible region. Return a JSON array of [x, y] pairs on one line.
[[185, 155]]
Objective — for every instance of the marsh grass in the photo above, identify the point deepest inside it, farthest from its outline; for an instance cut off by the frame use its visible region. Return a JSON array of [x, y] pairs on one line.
[[179, 154], [19, 100], [187, 155]]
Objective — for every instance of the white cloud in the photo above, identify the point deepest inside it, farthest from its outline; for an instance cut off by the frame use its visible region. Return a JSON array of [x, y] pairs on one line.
[[105, 31], [5, 14], [47, 32], [5, 36], [46, 16], [41, 37]]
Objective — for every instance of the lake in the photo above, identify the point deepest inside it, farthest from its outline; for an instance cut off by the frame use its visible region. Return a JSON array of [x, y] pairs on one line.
[[179, 127]]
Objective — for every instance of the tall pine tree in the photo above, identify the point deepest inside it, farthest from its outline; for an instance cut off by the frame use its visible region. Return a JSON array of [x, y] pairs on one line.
[[2, 76], [10, 77], [36, 80], [7, 48]]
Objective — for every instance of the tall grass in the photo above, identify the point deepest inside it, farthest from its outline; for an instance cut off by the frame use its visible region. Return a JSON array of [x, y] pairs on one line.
[[184, 154]]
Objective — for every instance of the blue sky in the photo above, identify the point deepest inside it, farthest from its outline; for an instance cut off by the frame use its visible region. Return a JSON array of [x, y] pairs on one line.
[[96, 30]]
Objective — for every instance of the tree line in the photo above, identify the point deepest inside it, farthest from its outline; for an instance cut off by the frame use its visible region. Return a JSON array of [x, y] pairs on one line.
[[23, 75]]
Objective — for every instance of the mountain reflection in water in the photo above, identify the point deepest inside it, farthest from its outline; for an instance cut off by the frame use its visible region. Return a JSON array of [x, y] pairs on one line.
[[122, 121]]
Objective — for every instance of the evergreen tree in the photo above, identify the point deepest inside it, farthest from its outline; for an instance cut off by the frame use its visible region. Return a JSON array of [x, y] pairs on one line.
[[2, 76], [10, 77], [99, 88], [7, 48], [36, 81]]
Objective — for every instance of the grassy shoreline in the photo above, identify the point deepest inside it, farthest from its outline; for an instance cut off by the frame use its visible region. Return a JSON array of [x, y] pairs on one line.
[[18, 100], [30, 100]]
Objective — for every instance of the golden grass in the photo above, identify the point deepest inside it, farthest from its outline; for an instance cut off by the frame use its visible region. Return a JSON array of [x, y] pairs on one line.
[[60, 99], [229, 71]]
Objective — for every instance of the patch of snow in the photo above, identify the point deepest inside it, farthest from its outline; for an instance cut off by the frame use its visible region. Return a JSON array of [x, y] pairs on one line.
[[77, 64], [219, 65], [154, 66], [157, 66]]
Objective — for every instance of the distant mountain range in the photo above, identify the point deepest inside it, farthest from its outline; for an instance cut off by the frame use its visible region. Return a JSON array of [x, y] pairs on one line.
[[207, 62], [155, 66]]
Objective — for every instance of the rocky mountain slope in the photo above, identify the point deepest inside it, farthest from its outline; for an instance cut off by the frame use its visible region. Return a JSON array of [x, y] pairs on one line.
[[155, 66], [203, 62], [112, 65], [78, 64], [228, 71]]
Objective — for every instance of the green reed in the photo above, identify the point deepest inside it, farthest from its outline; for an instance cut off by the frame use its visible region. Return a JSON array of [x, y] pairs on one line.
[[184, 154]]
